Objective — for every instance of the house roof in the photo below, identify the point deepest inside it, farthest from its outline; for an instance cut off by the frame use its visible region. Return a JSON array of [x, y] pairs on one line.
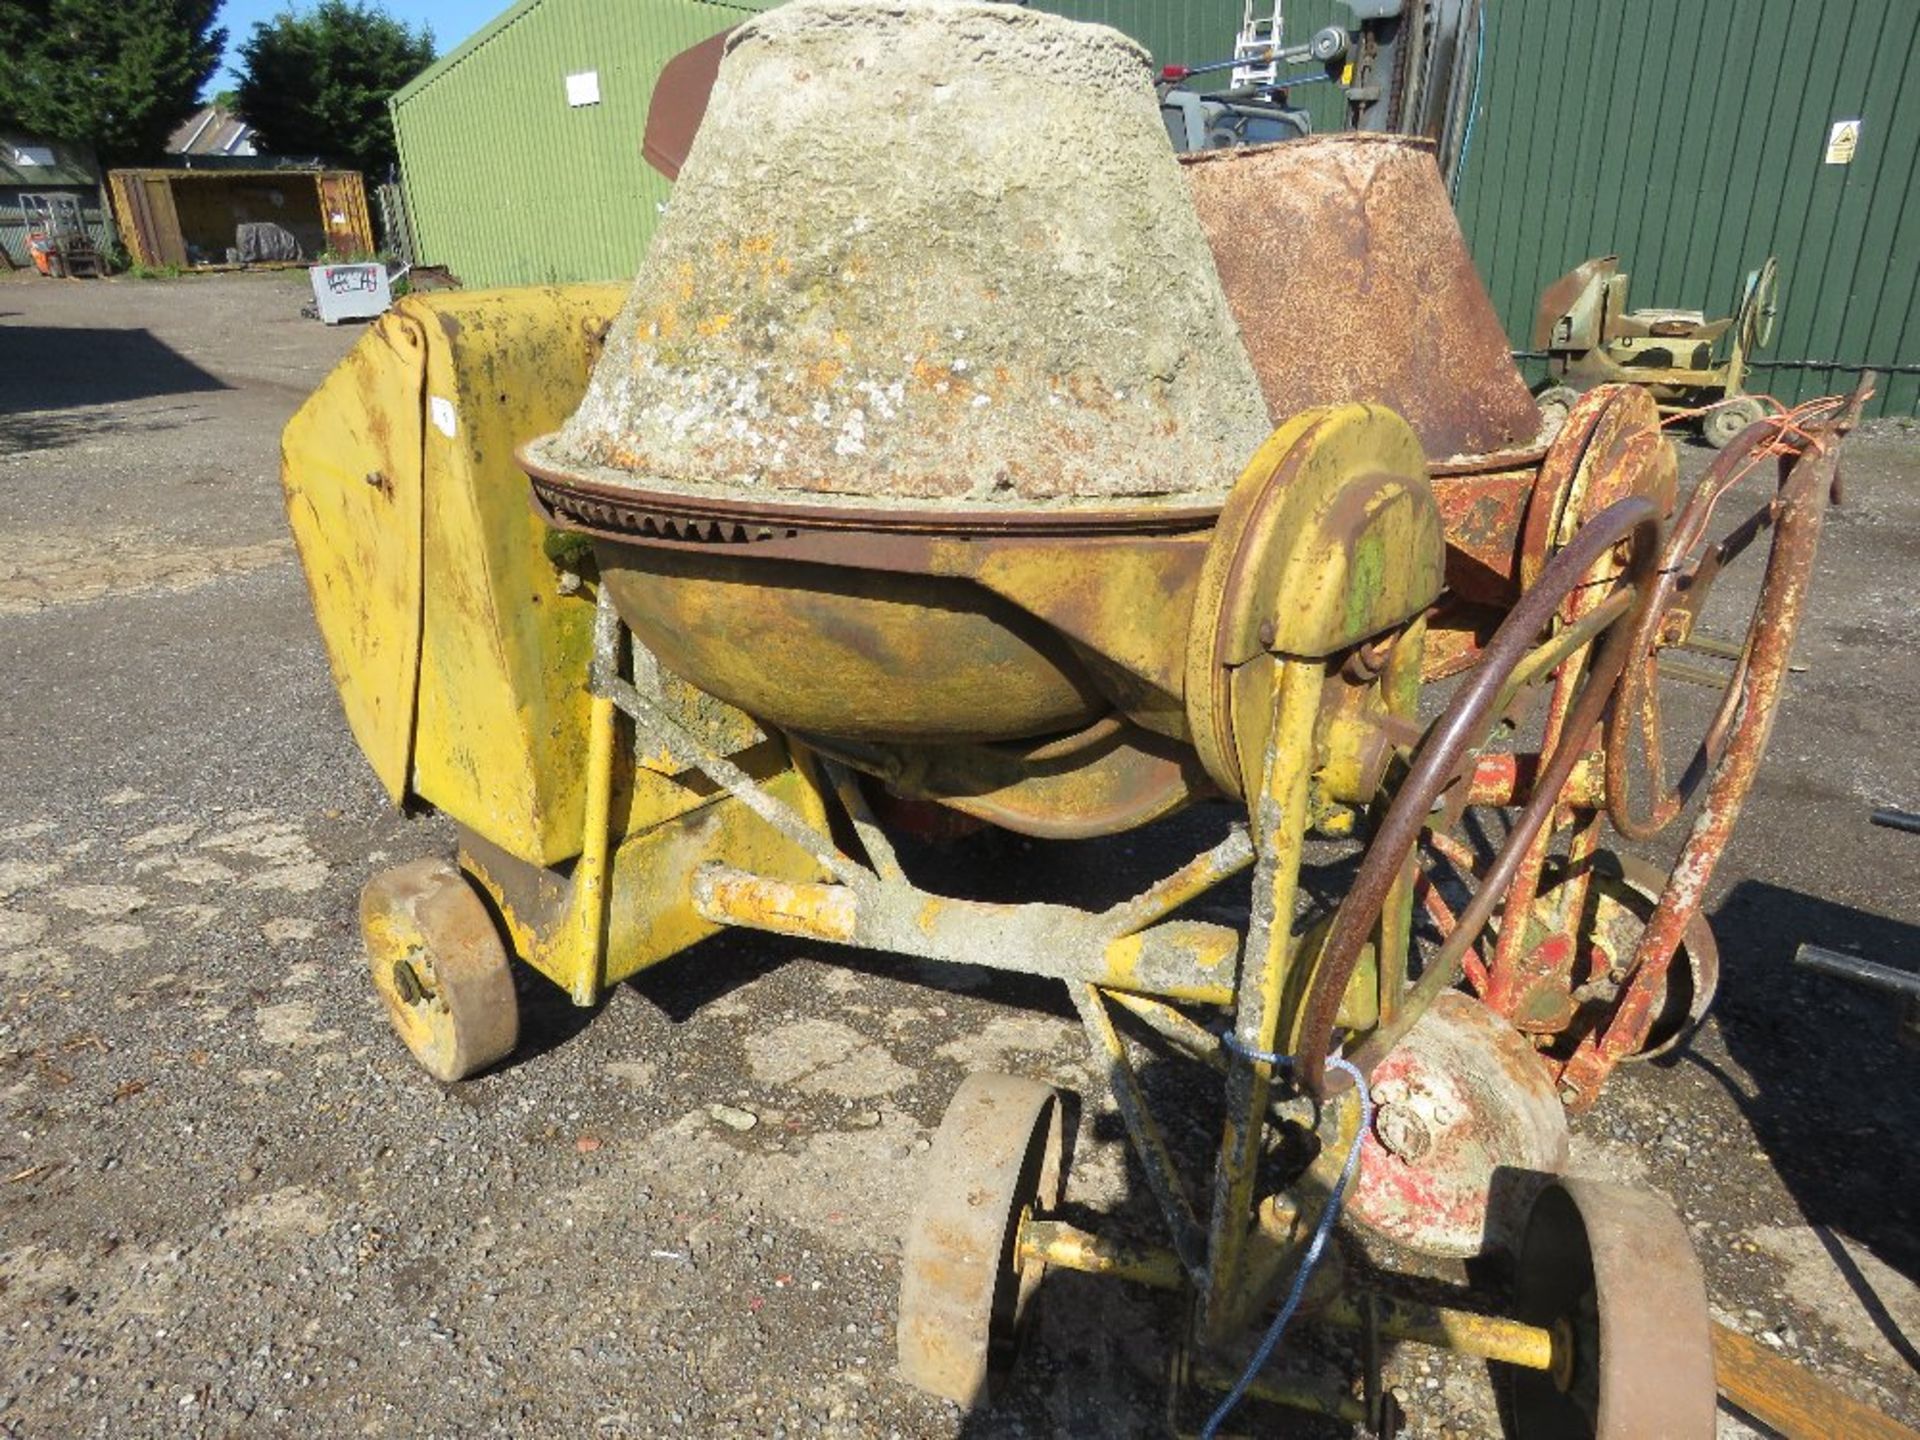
[[211, 130], [33, 161]]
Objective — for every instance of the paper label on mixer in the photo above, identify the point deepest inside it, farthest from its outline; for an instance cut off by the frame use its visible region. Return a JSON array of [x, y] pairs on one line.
[[445, 420]]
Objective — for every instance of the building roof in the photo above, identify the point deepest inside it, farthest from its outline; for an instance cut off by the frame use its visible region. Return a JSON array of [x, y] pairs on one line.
[[267, 169], [212, 130], [33, 161], [451, 60], [465, 48]]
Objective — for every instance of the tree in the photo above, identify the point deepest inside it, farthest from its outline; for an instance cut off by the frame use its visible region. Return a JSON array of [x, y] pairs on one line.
[[114, 74], [317, 82]]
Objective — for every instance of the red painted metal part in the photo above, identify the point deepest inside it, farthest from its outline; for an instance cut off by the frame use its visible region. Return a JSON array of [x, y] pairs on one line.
[[1461, 1095], [1460, 730]]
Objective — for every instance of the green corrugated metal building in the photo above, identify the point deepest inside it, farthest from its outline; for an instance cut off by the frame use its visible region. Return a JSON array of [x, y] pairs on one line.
[[507, 182], [1687, 136]]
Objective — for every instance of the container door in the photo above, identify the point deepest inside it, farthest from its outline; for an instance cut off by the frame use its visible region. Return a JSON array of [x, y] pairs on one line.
[[148, 222], [343, 213], [169, 246]]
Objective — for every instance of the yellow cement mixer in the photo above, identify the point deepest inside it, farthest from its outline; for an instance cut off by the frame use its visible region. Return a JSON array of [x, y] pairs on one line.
[[959, 451]]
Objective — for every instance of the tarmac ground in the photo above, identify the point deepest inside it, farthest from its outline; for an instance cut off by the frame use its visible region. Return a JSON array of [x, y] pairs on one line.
[[229, 1202]]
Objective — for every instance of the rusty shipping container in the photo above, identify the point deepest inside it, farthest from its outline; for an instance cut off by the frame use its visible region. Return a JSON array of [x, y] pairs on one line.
[[188, 217]]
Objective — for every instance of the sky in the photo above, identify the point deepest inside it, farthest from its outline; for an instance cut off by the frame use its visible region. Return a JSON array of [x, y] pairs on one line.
[[450, 20]]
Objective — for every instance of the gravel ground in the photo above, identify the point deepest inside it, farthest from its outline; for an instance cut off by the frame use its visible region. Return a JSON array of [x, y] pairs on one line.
[[229, 1202]]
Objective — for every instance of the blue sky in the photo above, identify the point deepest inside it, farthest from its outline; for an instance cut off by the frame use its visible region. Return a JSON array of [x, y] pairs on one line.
[[451, 21]]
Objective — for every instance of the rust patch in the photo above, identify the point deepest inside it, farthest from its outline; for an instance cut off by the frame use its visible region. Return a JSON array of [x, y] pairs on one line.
[[1382, 302]]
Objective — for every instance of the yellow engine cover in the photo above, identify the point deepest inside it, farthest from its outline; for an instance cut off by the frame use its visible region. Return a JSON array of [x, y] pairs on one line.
[[460, 663]]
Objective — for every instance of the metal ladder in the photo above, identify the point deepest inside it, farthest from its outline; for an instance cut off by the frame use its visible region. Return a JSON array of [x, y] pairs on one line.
[[1257, 41]]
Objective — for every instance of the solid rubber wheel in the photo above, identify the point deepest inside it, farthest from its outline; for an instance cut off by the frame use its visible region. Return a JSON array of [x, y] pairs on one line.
[[1719, 427], [1556, 403], [1615, 1268], [437, 960], [964, 1300]]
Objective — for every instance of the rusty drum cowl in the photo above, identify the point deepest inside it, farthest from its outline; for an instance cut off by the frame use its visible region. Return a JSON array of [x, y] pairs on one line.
[[1346, 268], [1351, 280]]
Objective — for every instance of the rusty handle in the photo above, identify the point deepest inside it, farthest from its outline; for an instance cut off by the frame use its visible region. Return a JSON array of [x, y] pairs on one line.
[[1638, 684], [1814, 427], [1803, 498], [1463, 727]]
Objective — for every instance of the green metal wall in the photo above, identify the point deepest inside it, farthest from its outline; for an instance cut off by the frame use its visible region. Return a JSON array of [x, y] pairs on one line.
[[1687, 137], [1188, 33], [506, 183], [1175, 31], [1684, 135]]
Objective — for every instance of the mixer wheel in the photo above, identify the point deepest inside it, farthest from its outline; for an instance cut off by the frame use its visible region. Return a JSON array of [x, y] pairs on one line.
[[1556, 403], [1613, 1271], [1718, 427], [964, 1294], [439, 965], [1619, 902]]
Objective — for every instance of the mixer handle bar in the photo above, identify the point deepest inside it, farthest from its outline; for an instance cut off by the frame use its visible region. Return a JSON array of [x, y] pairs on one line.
[[1458, 732]]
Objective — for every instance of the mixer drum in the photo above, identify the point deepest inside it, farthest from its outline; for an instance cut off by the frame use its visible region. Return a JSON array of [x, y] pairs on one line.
[[924, 253]]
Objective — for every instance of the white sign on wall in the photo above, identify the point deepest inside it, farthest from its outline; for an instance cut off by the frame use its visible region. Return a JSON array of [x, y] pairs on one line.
[[1843, 139], [584, 88]]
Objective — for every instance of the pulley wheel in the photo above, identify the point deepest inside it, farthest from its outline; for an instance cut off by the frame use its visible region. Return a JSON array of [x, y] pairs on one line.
[[1621, 895], [1760, 305], [439, 965], [1719, 427], [964, 1298], [1612, 1269], [1461, 1103]]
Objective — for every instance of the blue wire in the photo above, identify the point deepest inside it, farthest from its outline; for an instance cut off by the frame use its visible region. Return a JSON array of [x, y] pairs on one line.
[[1473, 101], [1315, 1246]]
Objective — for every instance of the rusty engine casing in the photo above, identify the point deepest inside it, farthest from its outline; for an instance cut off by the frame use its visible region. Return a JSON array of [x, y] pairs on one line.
[[1348, 273]]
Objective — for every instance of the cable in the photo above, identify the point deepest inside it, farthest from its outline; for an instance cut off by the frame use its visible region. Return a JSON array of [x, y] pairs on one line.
[[1473, 99], [1315, 1246]]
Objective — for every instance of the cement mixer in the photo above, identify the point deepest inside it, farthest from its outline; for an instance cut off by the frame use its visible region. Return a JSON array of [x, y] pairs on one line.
[[958, 451]]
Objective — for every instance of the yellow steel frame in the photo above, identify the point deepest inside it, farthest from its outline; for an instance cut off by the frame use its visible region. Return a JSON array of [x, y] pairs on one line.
[[1132, 956]]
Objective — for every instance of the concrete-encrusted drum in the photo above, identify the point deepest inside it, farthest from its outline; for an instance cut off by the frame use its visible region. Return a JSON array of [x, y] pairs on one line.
[[924, 251]]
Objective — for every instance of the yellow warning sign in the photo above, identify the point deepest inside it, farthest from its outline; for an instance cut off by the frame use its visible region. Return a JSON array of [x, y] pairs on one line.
[[1842, 140]]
